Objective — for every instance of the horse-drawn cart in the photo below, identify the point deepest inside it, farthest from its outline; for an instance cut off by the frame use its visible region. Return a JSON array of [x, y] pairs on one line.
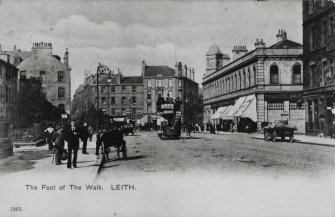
[[279, 129], [113, 138]]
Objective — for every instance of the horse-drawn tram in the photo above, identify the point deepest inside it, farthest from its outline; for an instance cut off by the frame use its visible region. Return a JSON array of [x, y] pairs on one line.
[[169, 118]]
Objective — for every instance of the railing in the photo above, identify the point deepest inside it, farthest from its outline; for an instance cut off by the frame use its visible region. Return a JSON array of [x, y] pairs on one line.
[[31, 134]]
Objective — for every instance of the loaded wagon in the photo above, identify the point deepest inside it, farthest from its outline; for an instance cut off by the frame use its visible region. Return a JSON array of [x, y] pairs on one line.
[[279, 129]]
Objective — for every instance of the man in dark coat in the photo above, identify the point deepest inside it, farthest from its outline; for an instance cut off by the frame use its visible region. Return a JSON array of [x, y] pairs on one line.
[[73, 144], [58, 140], [84, 134]]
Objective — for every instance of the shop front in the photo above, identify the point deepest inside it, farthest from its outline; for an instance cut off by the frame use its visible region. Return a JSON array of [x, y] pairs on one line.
[[285, 106], [320, 112]]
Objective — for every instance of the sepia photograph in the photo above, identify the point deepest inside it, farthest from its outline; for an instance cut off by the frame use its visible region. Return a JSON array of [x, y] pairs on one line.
[[167, 108]]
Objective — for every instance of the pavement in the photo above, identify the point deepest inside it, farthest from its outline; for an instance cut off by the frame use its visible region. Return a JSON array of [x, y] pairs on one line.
[[298, 138], [31, 160]]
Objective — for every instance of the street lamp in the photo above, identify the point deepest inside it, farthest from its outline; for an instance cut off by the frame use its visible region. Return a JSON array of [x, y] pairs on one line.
[[186, 113], [101, 69]]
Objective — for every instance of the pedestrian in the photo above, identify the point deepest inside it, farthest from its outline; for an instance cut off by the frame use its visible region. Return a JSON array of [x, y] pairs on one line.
[[49, 132], [189, 130], [90, 132], [84, 134], [73, 144], [58, 141]]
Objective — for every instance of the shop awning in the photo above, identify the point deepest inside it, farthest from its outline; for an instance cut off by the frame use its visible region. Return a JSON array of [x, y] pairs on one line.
[[233, 110], [248, 109], [223, 115], [218, 113]]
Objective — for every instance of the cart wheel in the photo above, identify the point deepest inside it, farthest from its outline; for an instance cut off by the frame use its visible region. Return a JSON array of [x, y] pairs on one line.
[[266, 135], [118, 152], [291, 138], [124, 153], [104, 152], [274, 135]]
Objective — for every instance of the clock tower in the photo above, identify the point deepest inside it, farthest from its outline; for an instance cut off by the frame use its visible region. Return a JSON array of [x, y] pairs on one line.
[[214, 59]]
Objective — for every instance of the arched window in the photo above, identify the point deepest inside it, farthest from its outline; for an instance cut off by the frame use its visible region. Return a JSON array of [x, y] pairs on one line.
[[255, 75], [235, 88], [274, 77], [296, 74], [244, 80]]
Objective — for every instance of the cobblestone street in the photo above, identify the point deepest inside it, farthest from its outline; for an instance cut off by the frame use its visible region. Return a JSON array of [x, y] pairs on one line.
[[206, 153]]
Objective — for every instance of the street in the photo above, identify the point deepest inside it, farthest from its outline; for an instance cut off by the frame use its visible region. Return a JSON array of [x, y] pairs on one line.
[[213, 153]]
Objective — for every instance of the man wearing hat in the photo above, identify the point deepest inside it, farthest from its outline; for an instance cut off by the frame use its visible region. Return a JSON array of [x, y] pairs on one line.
[[73, 144], [58, 140]]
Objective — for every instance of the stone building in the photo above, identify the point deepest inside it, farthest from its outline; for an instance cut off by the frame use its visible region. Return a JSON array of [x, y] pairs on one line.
[[54, 74], [165, 81], [256, 88], [119, 96], [8, 104], [318, 60]]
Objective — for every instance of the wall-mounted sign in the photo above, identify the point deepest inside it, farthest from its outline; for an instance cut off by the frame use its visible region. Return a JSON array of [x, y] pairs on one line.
[[167, 106], [283, 96]]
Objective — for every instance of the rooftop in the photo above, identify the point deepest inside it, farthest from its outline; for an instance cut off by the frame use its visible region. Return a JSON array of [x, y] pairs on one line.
[[152, 71]]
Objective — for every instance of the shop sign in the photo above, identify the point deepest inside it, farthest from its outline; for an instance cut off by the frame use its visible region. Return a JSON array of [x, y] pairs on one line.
[[283, 96], [167, 106]]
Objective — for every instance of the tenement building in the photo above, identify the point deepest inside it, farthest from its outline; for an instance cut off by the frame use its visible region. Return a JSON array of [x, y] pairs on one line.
[[256, 87], [40, 62], [118, 96], [8, 104], [318, 60], [174, 83]]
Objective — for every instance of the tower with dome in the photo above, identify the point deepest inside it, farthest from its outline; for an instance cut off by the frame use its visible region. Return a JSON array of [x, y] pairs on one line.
[[215, 59]]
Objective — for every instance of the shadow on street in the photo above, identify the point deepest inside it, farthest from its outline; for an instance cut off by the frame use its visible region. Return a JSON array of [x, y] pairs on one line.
[[23, 160]]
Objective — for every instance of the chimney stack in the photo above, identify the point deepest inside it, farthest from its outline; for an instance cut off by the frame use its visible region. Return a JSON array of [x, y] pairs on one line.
[[143, 67], [259, 44], [66, 57], [178, 69], [193, 74], [281, 35], [239, 51], [184, 72]]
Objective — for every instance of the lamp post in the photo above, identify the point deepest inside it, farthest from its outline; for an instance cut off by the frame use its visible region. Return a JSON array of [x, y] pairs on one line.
[[186, 113], [101, 69]]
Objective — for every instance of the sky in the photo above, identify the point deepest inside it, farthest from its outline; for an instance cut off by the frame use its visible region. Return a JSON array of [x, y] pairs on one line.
[[121, 34]]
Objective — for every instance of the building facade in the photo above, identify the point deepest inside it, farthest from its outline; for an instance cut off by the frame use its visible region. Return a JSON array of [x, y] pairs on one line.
[[118, 96], [167, 82], [41, 63], [8, 104], [318, 60], [257, 87]]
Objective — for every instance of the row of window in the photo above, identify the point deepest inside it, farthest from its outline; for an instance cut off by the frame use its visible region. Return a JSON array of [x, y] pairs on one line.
[[239, 80], [104, 89], [247, 79], [314, 4], [43, 77], [280, 106], [327, 28], [124, 100], [322, 74], [160, 94], [7, 73], [296, 74], [8, 93], [161, 83], [123, 111]]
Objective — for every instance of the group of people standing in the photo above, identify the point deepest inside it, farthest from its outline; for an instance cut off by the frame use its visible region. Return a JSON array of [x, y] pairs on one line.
[[72, 134]]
